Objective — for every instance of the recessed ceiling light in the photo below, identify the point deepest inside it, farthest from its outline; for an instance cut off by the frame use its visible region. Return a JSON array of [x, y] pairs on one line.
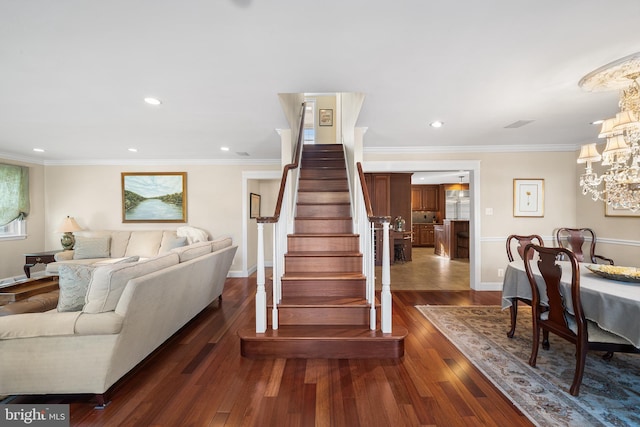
[[152, 101], [38, 150], [597, 122], [133, 150], [224, 148], [436, 124]]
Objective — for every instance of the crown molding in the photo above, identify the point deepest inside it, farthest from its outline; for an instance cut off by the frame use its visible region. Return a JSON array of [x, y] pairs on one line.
[[473, 149]]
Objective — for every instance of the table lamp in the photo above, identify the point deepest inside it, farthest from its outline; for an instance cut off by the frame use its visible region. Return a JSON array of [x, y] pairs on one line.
[[69, 225]]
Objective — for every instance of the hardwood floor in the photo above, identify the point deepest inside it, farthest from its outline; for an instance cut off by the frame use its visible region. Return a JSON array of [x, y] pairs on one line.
[[198, 378]]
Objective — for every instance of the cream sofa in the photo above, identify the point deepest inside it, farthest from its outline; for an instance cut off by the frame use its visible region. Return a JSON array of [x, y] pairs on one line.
[[129, 310], [110, 246]]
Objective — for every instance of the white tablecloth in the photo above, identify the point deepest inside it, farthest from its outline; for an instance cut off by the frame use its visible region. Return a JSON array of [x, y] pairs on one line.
[[613, 305]]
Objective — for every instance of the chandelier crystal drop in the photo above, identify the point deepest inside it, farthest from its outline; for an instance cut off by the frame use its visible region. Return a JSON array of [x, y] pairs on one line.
[[619, 184]]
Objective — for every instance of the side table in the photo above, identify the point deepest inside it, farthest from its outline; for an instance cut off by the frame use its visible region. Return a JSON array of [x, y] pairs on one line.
[[38, 258]]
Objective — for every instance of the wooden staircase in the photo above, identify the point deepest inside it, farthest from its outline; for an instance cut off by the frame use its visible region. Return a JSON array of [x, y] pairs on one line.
[[324, 312]]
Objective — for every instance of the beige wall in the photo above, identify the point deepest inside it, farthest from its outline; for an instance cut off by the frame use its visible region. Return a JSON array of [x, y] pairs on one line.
[[325, 134], [92, 194], [564, 204], [12, 251]]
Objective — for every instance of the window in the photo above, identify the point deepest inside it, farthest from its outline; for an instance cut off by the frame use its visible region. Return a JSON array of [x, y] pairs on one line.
[[16, 229], [309, 121]]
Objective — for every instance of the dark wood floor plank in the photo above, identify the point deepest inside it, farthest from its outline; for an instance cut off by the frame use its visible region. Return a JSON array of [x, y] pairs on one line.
[[198, 378]]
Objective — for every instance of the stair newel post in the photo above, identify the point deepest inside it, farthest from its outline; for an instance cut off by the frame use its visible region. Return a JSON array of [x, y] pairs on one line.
[[276, 272], [385, 296], [261, 294]]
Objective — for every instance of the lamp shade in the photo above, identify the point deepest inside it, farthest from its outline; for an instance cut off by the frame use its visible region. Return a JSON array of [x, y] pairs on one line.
[[69, 225], [625, 120], [616, 144], [589, 153], [607, 128]]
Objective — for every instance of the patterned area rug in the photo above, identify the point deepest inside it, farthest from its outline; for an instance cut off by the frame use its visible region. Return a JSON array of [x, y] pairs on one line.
[[610, 391]]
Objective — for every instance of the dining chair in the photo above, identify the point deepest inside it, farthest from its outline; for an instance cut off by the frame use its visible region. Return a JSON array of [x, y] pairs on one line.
[[564, 320], [574, 239], [521, 242]]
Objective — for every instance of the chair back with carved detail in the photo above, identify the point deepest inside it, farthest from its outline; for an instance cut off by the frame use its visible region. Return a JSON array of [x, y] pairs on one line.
[[557, 308], [574, 239], [521, 242]]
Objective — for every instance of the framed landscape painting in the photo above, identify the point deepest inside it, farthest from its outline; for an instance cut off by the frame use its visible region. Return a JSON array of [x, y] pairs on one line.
[[154, 197]]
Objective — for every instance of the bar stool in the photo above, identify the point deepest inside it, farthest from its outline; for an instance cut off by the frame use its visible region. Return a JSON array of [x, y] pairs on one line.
[[398, 252]]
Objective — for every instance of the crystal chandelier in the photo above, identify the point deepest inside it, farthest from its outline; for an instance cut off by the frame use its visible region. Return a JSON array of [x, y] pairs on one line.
[[619, 184]]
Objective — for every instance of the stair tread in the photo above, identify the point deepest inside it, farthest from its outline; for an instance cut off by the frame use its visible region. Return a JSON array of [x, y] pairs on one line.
[[309, 253], [323, 218], [323, 276], [332, 332], [323, 301], [324, 235]]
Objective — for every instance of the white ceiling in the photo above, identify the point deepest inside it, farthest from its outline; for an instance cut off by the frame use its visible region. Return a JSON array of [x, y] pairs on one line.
[[73, 74]]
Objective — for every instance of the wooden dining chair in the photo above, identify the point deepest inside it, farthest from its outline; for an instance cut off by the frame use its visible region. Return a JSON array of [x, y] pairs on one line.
[[556, 318], [521, 242], [574, 239]]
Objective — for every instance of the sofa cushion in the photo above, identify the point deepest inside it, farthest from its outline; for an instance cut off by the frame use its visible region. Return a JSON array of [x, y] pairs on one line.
[[194, 250], [108, 281], [190, 252], [27, 325], [172, 242], [221, 243], [91, 247], [73, 283], [145, 244]]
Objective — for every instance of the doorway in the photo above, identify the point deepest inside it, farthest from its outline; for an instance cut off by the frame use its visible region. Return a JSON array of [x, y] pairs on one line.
[[472, 167]]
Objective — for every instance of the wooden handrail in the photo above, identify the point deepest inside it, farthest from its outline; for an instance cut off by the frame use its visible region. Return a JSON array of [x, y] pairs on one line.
[[285, 173], [367, 200]]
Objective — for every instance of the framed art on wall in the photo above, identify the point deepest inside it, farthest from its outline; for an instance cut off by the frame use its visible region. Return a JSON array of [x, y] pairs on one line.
[[611, 211], [528, 197], [154, 197], [254, 205], [325, 117]]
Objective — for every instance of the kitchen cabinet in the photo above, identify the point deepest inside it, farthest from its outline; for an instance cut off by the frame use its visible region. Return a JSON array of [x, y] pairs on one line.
[[425, 197], [390, 195], [423, 235]]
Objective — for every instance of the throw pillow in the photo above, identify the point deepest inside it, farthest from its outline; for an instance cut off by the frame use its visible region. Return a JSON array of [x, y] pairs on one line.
[[172, 243], [91, 247], [74, 283]]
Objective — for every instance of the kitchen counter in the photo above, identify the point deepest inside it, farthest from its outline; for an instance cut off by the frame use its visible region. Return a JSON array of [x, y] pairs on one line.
[[452, 239]]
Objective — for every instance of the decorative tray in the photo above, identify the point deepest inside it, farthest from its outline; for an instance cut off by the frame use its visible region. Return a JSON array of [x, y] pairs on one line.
[[614, 272]]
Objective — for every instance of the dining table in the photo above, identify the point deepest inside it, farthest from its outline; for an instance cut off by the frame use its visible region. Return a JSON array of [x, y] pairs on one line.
[[614, 305]]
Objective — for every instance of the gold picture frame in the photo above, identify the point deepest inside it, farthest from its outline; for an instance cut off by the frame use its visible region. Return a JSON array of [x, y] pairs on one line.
[[254, 205], [610, 211], [154, 197], [528, 197], [325, 117]]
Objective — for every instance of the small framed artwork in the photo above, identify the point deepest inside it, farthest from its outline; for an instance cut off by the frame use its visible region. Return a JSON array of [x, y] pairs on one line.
[[154, 197], [620, 212], [528, 197], [254, 205], [325, 117]]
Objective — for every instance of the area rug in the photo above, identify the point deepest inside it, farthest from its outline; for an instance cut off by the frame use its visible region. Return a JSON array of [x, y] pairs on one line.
[[610, 391]]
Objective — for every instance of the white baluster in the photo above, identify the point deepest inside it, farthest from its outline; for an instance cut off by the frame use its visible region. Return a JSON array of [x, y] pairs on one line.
[[386, 281], [261, 294]]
